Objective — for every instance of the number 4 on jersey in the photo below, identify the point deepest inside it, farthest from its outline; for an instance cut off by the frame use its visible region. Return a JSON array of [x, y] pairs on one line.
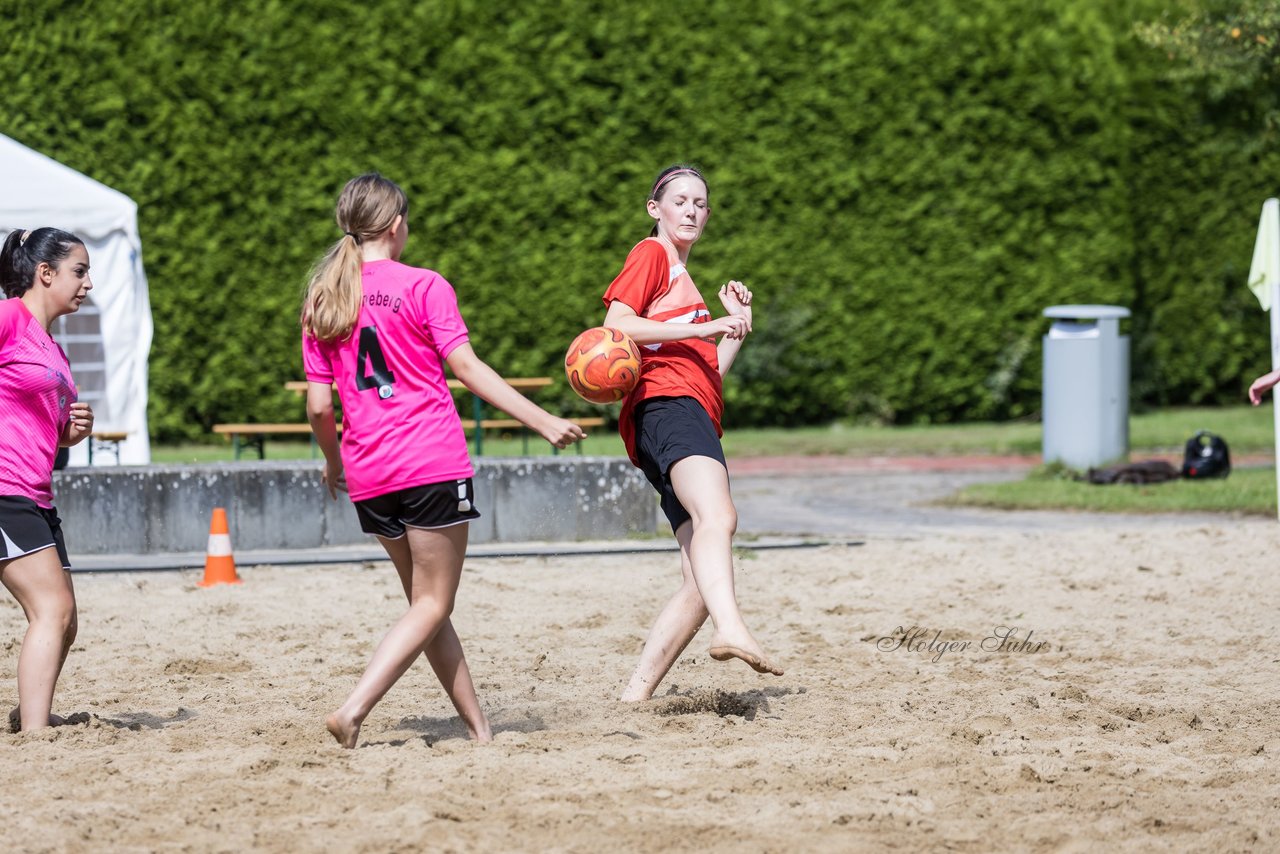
[[379, 375]]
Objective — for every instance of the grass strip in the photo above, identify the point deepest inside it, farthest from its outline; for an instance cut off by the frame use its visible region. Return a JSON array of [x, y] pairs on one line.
[[1250, 491]]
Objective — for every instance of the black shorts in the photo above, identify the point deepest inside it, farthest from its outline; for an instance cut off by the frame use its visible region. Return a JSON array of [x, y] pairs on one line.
[[668, 429], [26, 527], [434, 505]]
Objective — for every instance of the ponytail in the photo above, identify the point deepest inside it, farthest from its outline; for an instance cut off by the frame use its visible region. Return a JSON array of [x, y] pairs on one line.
[[25, 251], [332, 306], [367, 207]]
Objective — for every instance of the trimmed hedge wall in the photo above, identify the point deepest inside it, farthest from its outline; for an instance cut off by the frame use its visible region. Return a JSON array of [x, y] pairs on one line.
[[905, 186]]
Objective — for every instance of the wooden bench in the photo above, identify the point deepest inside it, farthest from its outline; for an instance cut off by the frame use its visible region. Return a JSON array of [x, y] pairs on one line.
[[476, 425], [255, 435], [520, 384], [513, 424]]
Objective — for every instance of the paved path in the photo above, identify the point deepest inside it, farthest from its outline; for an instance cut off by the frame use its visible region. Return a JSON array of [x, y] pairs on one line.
[[892, 496]]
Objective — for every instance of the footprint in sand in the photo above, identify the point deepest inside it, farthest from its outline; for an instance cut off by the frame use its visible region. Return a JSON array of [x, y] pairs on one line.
[[205, 667]]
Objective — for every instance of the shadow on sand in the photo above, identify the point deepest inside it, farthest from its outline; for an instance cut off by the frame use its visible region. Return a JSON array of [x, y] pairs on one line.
[[137, 721]]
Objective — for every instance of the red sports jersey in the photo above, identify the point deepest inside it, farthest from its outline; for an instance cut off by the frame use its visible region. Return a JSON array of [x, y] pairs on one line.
[[656, 286], [36, 393]]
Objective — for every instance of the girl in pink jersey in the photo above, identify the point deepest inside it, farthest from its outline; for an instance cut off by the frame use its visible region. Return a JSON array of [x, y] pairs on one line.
[[670, 423], [382, 332], [44, 274]]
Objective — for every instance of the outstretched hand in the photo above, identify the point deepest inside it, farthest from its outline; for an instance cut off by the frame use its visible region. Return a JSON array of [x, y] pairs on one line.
[[561, 432]]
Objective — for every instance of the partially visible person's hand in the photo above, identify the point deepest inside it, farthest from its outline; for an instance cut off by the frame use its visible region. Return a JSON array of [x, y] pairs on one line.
[[335, 479], [1262, 385]]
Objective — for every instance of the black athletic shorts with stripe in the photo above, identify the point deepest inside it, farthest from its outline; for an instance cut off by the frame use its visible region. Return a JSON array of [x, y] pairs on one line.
[[433, 505], [26, 527]]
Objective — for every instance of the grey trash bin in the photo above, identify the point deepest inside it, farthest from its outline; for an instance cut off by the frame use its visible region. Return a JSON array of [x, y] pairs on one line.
[[1086, 386]]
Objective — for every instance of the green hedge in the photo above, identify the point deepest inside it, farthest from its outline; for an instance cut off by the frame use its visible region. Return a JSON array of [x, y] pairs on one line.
[[905, 186]]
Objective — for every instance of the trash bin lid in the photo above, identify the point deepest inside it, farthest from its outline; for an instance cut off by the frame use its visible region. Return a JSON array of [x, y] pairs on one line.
[[1086, 312]]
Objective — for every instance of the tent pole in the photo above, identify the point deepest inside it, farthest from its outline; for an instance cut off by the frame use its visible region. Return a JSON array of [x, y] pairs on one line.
[[1273, 265], [1275, 363]]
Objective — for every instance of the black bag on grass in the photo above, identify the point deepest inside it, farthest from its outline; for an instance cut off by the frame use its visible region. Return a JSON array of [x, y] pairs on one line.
[[1206, 457]]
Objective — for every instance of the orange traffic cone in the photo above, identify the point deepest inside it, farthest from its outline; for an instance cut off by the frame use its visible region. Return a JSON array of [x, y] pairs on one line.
[[219, 565]]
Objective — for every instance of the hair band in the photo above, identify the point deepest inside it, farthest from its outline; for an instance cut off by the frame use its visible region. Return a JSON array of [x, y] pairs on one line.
[[353, 236], [22, 241], [662, 182]]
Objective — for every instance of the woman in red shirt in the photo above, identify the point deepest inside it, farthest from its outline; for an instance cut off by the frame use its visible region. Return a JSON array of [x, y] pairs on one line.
[[670, 423]]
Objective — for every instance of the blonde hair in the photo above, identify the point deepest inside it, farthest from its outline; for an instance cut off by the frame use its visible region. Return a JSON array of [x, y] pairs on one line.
[[367, 207]]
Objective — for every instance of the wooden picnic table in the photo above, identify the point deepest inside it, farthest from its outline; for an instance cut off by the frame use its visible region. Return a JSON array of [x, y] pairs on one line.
[[480, 423]]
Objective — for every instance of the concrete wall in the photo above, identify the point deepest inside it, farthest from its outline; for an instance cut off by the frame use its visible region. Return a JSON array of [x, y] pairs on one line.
[[151, 509]]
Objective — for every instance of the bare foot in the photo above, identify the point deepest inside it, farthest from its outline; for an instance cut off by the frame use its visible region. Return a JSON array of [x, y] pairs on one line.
[[343, 729], [15, 720], [630, 696], [752, 655], [480, 734]]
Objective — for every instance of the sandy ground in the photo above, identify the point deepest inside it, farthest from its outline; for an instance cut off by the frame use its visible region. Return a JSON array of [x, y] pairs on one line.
[[1145, 721]]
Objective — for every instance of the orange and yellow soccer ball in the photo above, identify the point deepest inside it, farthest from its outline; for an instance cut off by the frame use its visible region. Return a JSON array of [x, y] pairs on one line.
[[602, 365]]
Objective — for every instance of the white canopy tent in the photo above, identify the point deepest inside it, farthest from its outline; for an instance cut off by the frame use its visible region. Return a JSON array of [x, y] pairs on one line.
[[108, 340], [1264, 281]]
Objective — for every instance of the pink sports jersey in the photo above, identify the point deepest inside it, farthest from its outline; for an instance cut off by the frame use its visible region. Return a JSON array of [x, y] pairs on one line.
[[36, 393], [400, 427]]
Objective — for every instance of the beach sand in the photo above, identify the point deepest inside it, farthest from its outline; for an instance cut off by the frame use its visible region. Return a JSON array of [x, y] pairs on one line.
[[1139, 715]]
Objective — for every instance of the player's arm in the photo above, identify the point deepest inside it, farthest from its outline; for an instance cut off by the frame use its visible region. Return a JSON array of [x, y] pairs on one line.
[[484, 381], [325, 428], [642, 330], [1262, 385], [736, 299]]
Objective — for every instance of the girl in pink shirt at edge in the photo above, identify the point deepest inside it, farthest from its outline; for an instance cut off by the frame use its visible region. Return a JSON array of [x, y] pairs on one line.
[[423, 526], [44, 274], [675, 439]]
